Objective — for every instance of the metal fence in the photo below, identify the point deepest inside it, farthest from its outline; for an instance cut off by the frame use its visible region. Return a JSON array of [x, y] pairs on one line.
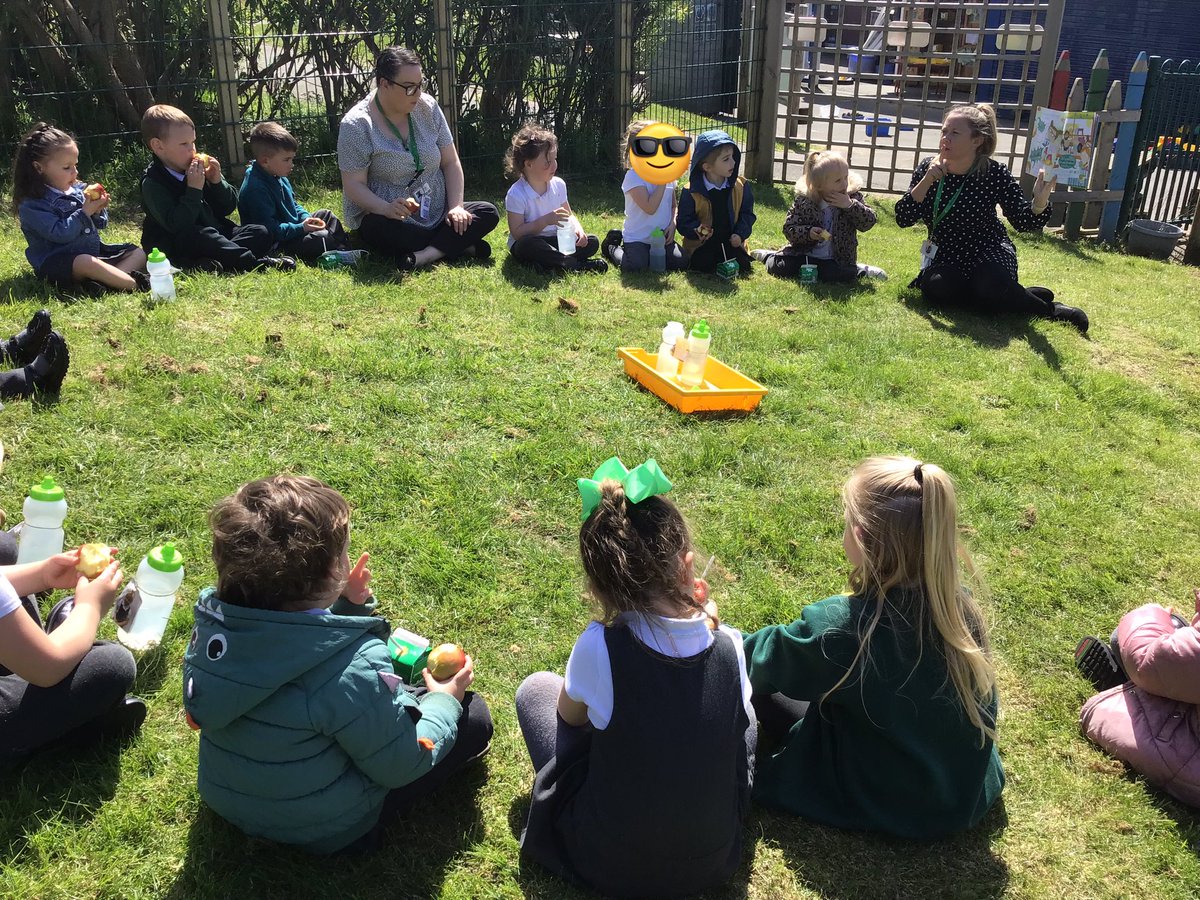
[[583, 69]]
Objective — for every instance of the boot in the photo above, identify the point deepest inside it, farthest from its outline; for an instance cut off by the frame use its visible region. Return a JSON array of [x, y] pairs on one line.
[[46, 373], [1072, 314], [22, 348]]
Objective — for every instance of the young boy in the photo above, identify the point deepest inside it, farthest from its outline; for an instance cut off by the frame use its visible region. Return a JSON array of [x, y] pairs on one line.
[[716, 212], [267, 199], [307, 735], [187, 200]]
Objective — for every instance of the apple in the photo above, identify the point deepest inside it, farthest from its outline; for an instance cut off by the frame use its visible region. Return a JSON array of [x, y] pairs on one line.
[[445, 661], [94, 191], [413, 204], [823, 234], [204, 158], [93, 559]]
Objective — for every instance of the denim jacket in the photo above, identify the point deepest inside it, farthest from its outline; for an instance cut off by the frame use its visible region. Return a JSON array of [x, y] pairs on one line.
[[56, 223]]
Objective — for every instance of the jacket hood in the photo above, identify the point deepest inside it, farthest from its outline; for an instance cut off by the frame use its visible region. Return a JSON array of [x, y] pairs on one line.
[[706, 143], [237, 657]]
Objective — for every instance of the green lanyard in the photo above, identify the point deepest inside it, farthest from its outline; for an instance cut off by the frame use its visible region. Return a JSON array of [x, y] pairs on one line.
[[411, 144], [937, 199]]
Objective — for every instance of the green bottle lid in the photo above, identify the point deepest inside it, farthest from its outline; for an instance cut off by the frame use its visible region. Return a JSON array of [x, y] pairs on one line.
[[657, 232], [156, 256], [165, 558], [700, 329], [47, 490]]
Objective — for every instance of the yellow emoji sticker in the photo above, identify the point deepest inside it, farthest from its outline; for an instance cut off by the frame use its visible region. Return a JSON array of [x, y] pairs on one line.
[[660, 153]]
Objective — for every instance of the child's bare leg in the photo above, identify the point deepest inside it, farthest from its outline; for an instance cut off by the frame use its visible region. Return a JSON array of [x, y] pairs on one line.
[[84, 267], [135, 261]]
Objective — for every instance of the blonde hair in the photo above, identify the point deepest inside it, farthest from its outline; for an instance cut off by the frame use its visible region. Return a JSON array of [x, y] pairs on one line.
[[981, 117], [160, 119], [905, 520], [821, 162], [635, 127]]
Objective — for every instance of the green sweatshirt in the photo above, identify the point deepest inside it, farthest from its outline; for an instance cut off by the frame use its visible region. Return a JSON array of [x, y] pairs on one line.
[[891, 749], [173, 209], [304, 727]]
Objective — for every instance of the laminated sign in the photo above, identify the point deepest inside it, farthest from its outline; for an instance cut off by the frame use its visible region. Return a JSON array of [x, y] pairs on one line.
[[1060, 142]]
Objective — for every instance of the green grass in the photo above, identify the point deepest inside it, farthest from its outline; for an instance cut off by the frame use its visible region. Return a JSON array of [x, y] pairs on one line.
[[455, 408]]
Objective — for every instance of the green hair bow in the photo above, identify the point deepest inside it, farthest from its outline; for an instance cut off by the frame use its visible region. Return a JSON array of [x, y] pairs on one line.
[[647, 480]]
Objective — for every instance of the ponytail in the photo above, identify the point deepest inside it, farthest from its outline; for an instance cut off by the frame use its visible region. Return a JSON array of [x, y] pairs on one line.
[[981, 117], [38, 143]]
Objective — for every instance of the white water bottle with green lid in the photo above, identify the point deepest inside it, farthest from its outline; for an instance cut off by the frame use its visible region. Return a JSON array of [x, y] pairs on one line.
[[42, 531], [692, 373], [665, 363], [159, 576], [162, 278]]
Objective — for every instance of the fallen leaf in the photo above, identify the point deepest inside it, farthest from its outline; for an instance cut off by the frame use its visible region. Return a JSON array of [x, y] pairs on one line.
[[198, 368], [320, 428], [791, 309], [1028, 518], [113, 342], [253, 360], [262, 397], [569, 306], [273, 338], [340, 326]]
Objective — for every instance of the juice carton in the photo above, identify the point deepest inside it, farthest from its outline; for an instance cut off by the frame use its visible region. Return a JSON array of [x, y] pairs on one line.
[[409, 652]]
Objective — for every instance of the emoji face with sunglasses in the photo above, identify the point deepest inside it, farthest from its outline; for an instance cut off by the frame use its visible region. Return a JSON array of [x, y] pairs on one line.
[[660, 153]]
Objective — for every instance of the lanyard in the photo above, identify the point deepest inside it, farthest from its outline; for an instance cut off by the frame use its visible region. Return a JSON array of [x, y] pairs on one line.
[[937, 199], [411, 144]]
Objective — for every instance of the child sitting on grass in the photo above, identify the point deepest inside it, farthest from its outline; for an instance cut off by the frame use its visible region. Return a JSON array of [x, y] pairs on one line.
[[716, 212], [823, 224], [266, 198], [648, 208], [307, 736]]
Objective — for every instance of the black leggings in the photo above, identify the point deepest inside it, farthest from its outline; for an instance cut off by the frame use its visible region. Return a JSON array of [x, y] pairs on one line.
[[397, 237], [988, 289], [828, 270], [543, 251]]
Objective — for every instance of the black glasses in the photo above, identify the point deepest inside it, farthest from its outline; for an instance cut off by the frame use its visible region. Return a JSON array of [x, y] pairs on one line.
[[409, 89], [671, 146]]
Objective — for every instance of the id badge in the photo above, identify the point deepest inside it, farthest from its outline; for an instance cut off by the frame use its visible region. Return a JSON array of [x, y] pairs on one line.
[[423, 197], [928, 251]]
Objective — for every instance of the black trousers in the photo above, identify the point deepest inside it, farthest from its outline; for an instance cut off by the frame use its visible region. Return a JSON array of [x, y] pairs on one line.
[[777, 713], [14, 383], [990, 288], [543, 251], [828, 270], [715, 250], [239, 251], [397, 237], [309, 247]]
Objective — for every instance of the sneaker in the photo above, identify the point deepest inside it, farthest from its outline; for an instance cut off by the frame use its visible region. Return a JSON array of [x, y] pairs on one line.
[[123, 721], [874, 272], [352, 257], [595, 266], [1098, 664], [1072, 314], [760, 255], [278, 263], [142, 280], [22, 348], [611, 240], [46, 373], [59, 613]]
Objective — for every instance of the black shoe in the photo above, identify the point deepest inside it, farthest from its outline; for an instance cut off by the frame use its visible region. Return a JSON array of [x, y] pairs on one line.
[[59, 613], [482, 250], [611, 240], [142, 280], [22, 348], [46, 373], [595, 266], [406, 262], [1096, 661], [124, 720], [1042, 293], [278, 263], [1072, 314]]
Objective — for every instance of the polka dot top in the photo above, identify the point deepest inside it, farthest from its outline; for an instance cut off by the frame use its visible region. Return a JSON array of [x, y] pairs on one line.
[[365, 142], [972, 233]]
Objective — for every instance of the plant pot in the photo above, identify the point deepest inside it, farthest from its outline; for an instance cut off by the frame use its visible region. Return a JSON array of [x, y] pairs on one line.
[[1157, 240]]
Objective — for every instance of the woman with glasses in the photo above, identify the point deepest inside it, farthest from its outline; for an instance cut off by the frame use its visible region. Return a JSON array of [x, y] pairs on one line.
[[402, 181]]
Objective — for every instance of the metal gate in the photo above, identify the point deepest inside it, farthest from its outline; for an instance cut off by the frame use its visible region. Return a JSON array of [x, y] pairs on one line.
[[1165, 167], [875, 79]]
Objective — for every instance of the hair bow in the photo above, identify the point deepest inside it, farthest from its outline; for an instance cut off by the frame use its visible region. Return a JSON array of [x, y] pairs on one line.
[[647, 480]]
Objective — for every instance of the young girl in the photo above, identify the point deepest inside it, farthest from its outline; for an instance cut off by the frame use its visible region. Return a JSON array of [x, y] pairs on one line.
[[1147, 713], [647, 207], [307, 735], [537, 205], [58, 684], [39, 359], [823, 224], [899, 737], [61, 225], [643, 753]]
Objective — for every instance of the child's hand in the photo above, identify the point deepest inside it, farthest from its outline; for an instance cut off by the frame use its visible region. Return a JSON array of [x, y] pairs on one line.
[[91, 207], [212, 172], [735, 240], [195, 174], [704, 232], [101, 591], [562, 215], [457, 686], [841, 201], [700, 590], [312, 223], [580, 237], [669, 233], [358, 582], [1196, 591], [58, 572]]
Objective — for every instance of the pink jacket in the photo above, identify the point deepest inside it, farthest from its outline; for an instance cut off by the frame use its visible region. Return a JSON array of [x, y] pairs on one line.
[[1152, 722]]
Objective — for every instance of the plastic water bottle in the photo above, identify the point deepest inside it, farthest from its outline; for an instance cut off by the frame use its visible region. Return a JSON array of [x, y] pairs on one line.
[[666, 364], [159, 576], [658, 251], [162, 279], [42, 531], [692, 374], [566, 236]]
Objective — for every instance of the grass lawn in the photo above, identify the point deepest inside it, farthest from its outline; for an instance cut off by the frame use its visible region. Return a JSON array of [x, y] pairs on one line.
[[455, 408]]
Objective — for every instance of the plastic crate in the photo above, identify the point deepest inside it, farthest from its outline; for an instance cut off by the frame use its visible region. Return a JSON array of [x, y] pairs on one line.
[[724, 389]]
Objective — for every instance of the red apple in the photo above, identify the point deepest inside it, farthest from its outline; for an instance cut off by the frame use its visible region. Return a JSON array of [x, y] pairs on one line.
[[94, 191], [445, 660]]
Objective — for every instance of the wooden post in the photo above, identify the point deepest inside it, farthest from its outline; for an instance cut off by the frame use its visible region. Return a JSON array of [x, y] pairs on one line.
[[1141, 137], [1062, 78], [1102, 143], [1124, 149], [447, 68], [220, 32], [1092, 103], [760, 164], [622, 73]]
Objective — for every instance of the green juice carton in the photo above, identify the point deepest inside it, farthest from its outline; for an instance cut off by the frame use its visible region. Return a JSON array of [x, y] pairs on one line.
[[409, 652]]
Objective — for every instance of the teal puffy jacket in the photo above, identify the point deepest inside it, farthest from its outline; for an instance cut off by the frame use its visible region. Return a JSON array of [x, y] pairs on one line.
[[304, 727]]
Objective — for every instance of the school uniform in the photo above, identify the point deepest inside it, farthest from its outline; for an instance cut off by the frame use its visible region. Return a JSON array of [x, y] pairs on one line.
[[726, 208], [269, 200], [632, 254], [542, 248], [57, 230]]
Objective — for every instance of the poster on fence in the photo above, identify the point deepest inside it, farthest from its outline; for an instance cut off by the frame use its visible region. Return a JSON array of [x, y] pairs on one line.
[[1061, 143]]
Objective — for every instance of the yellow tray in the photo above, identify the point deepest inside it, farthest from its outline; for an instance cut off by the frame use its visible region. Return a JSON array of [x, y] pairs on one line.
[[724, 388]]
